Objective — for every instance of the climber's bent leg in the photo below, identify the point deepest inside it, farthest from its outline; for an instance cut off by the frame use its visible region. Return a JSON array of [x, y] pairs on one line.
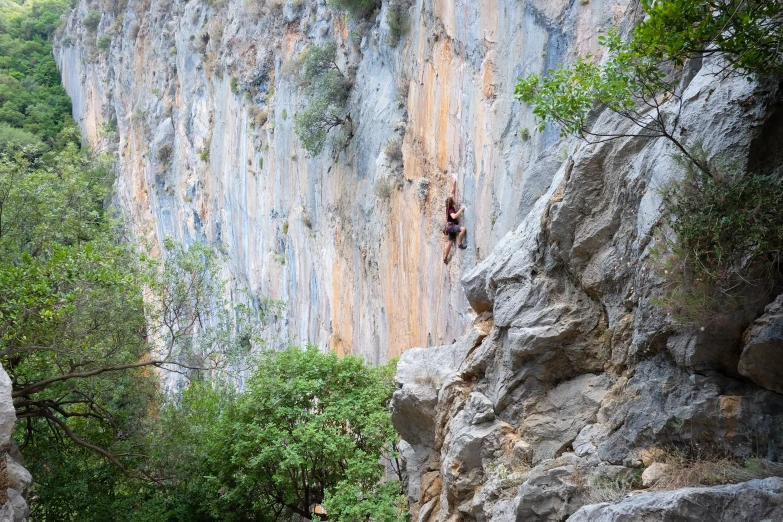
[[461, 238], [446, 252]]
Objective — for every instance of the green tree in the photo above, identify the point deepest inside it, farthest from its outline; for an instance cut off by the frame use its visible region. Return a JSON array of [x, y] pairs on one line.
[[310, 429], [640, 79], [746, 34], [328, 89]]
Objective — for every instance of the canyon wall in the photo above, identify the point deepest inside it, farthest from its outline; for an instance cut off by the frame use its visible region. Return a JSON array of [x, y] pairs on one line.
[[547, 381], [573, 390], [360, 268]]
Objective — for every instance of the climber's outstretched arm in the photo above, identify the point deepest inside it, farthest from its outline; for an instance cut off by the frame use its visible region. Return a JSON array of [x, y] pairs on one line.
[[453, 192]]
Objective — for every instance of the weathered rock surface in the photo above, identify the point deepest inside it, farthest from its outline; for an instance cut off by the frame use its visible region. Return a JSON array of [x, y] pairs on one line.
[[360, 272], [580, 372], [762, 354], [757, 500], [568, 372], [15, 480]]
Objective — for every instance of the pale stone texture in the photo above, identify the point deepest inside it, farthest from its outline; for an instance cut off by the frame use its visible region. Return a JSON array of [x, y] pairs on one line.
[[13, 476], [579, 368], [762, 354], [367, 275], [757, 500]]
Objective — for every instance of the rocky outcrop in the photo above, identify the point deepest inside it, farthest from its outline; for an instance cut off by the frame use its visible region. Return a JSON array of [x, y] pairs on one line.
[[762, 354], [755, 500], [15, 480], [581, 377], [549, 367]]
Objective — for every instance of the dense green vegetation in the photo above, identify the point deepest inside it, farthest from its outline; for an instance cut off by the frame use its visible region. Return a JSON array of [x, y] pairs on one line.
[[90, 325], [357, 9], [34, 108], [308, 433], [727, 225]]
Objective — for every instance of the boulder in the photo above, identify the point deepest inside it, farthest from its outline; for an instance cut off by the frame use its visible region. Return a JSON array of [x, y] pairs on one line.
[[555, 422], [549, 495], [757, 500], [762, 353], [17, 478], [662, 404], [655, 472]]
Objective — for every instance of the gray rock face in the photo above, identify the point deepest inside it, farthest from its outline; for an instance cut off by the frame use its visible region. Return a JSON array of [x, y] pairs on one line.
[[574, 370], [580, 376], [13, 476], [360, 269], [757, 500], [762, 354]]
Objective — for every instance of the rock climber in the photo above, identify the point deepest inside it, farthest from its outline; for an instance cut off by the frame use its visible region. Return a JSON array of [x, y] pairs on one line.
[[453, 231]]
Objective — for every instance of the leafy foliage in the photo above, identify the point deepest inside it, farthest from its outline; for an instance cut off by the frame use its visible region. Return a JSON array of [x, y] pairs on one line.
[[639, 77], [399, 24], [746, 34], [92, 20], [629, 83], [310, 430], [357, 9], [727, 237], [34, 108], [328, 89]]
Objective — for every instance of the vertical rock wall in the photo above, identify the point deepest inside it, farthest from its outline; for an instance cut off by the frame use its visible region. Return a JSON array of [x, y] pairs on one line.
[[15, 480], [360, 272], [571, 383]]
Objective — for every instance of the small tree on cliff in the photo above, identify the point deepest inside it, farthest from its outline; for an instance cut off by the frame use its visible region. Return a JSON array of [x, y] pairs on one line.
[[328, 89], [356, 8], [726, 225], [640, 80]]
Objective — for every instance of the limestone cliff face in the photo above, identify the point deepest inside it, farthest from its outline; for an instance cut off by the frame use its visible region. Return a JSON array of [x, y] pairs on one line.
[[360, 272], [15, 480], [544, 369], [571, 381]]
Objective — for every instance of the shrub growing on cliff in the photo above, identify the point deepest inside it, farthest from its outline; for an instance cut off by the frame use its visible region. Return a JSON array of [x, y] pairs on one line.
[[327, 88], [104, 42], [356, 8], [92, 20], [164, 154], [642, 74], [397, 18], [728, 238]]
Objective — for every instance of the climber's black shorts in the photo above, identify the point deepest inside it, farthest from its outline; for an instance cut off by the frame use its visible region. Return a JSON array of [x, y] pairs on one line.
[[452, 229]]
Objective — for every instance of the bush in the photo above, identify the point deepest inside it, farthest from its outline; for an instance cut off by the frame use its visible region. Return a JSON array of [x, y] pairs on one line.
[[234, 85], [727, 237], [104, 42], [164, 154], [397, 18], [357, 9], [383, 188], [393, 150], [92, 20]]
